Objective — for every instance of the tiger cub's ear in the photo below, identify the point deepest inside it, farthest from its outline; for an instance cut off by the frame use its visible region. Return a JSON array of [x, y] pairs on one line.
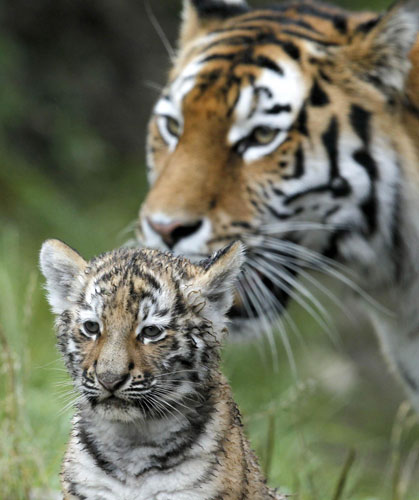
[[215, 282], [62, 267], [379, 51], [200, 16]]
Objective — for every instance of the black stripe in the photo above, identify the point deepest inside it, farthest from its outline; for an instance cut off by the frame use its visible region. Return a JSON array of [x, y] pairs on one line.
[[316, 189], [309, 38], [234, 40], [262, 39], [411, 107], [360, 121], [330, 212], [318, 96], [278, 108], [266, 62], [324, 76], [367, 26], [218, 8], [280, 19], [301, 123], [219, 57], [330, 142], [369, 206], [243, 224], [291, 49], [332, 249], [179, 309], [339, 21], [396, 234], [340, 187], [277, 214], [245, 58], [363, 157], [90, 447], [299, 165]]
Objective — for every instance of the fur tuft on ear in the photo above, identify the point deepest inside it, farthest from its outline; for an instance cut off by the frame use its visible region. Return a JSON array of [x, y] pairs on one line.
[[216, 283], [200, 16], [62, 267], [379, 52]]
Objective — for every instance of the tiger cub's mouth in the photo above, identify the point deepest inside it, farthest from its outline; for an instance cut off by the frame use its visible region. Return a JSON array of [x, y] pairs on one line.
[[114, 402]]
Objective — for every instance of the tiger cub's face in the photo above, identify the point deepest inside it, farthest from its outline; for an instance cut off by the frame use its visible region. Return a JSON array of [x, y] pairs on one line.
[[139, 330], [278, 127]]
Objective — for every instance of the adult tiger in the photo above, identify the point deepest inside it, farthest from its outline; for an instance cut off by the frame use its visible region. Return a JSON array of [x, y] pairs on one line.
[[296, 130]]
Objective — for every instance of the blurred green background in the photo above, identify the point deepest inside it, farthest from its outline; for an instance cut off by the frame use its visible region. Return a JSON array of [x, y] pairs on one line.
[[77, 81]]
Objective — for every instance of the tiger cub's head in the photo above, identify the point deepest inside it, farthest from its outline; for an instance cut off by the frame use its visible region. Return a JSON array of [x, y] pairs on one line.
[[286, 128], [139, 330]]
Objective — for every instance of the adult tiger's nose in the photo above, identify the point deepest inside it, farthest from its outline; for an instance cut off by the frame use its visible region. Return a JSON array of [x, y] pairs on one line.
[[172, 232]]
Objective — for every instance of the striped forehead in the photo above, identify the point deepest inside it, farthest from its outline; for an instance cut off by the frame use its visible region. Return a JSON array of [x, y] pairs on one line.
[[139, 291], [277, 70]]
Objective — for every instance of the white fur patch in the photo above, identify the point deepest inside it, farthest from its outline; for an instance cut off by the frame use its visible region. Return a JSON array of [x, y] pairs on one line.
[[287, 89], [196, 241], [171, 105]]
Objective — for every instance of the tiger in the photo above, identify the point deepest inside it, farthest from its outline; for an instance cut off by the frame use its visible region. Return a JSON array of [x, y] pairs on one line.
[[296, 130], [140, 334]]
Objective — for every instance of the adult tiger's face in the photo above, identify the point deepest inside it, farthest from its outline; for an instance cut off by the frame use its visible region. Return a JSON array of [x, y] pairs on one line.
[[278, 127]]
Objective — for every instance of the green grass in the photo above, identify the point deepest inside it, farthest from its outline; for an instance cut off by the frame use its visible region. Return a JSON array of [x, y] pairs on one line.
[[331, 434]]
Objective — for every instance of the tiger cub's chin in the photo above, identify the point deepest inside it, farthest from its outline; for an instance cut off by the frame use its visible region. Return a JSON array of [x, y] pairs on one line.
[[140, 332]]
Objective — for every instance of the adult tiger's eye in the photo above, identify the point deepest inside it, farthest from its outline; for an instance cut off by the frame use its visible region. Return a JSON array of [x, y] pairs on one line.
[[264, 135], [91, 327], [173, 126], [151, 332]]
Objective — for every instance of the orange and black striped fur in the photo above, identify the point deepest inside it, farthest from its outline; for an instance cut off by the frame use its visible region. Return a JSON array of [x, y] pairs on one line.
[[296, 129], [140, 333]]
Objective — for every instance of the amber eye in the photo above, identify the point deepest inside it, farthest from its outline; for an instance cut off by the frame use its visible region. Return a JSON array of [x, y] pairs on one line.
[[91, 327], [264, 135], [173, 126]]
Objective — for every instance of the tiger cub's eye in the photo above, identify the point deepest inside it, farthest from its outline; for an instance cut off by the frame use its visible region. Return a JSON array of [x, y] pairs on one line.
[[151, 332], [91, 327], [264, 135], [173, 126]]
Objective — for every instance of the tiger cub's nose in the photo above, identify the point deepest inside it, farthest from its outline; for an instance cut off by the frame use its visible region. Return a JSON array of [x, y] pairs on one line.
[[173, 231], [112, 381]]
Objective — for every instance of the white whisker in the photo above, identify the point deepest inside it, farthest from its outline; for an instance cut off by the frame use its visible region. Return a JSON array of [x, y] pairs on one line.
[[277, 321], [159, 30], [267, 325]]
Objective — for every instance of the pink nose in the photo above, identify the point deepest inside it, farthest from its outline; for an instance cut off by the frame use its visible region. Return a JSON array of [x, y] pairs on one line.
[[172, 232]]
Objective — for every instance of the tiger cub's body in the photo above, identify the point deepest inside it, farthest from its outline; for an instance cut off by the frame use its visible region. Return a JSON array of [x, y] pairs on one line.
[[140, 334]]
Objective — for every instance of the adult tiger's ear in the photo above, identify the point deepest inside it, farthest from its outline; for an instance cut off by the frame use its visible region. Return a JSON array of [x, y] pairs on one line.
[[63, 269], [200, 16], [379, 51], [213, 288]]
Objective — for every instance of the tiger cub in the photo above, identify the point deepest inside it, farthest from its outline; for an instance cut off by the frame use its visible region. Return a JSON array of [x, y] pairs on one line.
[[140, 334]]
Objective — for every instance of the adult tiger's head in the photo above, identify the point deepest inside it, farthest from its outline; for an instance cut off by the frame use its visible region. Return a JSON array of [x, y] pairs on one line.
[[289, 129]]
